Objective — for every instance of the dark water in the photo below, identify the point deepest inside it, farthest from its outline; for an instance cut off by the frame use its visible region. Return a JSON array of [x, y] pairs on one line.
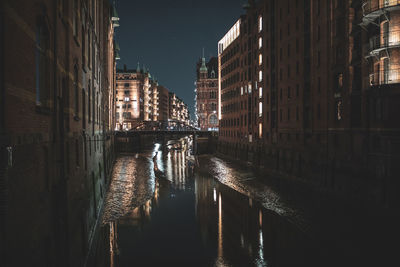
[[218, 215], [213, 216]]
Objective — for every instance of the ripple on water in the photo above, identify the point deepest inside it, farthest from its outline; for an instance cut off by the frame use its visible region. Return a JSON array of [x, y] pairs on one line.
[[131, 186]]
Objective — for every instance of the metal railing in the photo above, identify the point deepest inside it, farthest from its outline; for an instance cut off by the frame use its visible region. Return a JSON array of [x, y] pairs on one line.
[[379, 42], [370, 6], [391, 76]]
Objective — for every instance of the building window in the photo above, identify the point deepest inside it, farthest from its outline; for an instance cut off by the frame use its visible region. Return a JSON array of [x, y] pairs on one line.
[[213, 119], [260, 21], [77, 152], [340, 80], [260, 92], [76, 90], [260, 130], [260, 59], [83, 109], [83, 47], [75, 17], [260, 109], [338, 111], [260, 42], [260, 76], [42, 64], [126, 99]]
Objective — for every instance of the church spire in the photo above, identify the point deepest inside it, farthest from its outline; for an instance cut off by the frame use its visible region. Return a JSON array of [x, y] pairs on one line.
[[203, 68]]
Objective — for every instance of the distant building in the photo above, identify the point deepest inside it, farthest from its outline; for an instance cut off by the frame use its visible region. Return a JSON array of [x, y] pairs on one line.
[[178, 111], [207, 94], [136, 98], [163, 94]]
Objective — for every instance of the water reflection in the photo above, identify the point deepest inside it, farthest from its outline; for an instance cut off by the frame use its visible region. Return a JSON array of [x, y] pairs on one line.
[[188, 217]]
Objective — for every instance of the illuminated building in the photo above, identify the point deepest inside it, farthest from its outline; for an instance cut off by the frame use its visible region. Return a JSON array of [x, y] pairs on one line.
[[207, 94], [308, 89], [137, 98], [178, 111]]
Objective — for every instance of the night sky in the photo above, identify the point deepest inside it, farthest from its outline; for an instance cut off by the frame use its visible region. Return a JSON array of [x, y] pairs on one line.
[[168, 37]]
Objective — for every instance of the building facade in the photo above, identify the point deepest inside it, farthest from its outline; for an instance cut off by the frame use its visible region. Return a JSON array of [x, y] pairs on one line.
[[137, 98], [56, 129], [207, 95], [164, 104], [308, 89], [178, 112]]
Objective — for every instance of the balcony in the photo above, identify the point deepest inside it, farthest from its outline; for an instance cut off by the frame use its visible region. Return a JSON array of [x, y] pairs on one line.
[[372, 9], [384, 77], [379, 42]]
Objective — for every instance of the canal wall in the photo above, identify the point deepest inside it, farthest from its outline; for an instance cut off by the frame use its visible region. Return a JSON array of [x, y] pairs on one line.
[[319, 171]]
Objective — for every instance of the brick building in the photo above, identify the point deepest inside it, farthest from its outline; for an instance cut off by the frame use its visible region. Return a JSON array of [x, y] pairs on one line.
[[207, 94], [164, 104], [56, 129], [139, 98], [132, 88], [178, 111], [308, 89]]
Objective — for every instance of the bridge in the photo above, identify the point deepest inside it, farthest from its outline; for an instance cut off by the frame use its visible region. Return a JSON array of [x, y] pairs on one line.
[[134, 140]]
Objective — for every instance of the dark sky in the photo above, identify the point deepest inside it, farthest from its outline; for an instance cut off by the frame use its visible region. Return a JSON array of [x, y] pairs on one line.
[[168, 36]]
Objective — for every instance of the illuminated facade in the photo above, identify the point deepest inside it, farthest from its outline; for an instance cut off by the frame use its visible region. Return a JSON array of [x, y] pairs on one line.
[[178, 110], [310, 90], [207, 95], [137, 98]]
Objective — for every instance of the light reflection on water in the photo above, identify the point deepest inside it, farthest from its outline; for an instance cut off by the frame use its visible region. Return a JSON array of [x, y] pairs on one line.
[[187, 218]]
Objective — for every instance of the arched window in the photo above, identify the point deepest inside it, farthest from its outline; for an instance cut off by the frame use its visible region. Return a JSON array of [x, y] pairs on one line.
[[213, 119], [42, 63]]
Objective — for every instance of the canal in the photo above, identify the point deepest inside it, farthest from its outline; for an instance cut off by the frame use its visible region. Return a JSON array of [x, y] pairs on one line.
[[214, 215]]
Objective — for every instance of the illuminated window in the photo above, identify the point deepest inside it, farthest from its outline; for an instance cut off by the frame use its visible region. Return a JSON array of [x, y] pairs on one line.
[[241, 90], [260, 42], [259, 59], [260, 130], [338, 110], [213, 119], [260, 92], [260, 24], [260, 107], [340, 80], [260, 76], [126, 99]]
